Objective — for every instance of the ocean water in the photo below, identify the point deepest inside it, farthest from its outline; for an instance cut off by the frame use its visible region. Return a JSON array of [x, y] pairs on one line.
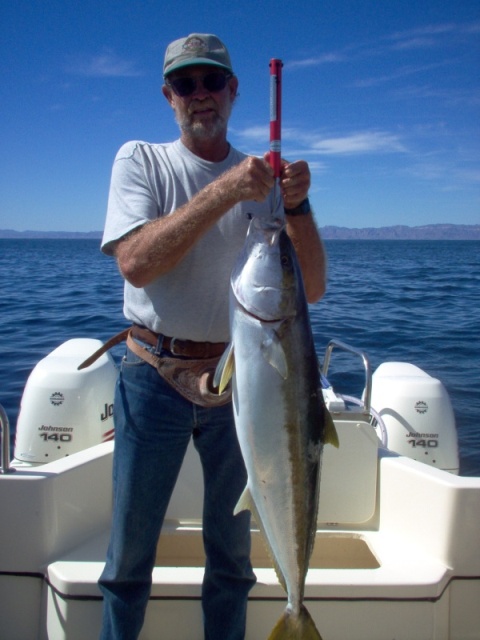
[[411, 301]]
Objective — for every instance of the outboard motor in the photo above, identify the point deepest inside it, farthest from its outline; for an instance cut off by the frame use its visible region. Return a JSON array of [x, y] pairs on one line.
[[64, 410], [417, 413]]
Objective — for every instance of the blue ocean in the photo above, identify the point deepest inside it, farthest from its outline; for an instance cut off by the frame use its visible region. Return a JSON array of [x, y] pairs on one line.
[[413, 301]]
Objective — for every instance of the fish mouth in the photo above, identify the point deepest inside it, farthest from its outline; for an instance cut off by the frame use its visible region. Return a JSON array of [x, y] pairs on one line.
[[262, 319], [270, 229]]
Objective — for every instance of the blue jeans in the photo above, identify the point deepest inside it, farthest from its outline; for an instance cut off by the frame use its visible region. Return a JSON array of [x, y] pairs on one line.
[[153, 426]]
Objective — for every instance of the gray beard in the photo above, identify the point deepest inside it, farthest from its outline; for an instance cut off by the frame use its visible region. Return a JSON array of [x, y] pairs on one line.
[[202, 130]]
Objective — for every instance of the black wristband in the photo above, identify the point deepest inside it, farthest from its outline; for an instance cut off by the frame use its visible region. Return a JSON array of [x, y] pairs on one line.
[[302, 210]]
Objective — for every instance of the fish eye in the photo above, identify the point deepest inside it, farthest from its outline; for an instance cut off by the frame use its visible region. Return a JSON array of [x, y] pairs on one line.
[[285, 260]]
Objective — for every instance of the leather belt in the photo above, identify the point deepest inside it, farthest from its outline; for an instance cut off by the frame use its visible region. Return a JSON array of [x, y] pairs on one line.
[[177, 347]]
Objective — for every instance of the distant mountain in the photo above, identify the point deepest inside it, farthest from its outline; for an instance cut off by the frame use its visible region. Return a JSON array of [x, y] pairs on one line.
[[61, 235], [398, 232], [402, 232]]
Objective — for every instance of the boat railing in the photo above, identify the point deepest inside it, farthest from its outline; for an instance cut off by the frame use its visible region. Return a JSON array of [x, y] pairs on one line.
[[5, 449], [366, 365]]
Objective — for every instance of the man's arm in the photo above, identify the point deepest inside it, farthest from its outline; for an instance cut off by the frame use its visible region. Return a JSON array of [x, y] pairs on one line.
[[294, 183], [311, 254], [158, 246]]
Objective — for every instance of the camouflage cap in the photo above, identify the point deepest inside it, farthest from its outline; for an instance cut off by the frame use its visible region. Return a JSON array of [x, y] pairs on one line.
[[197, 48]]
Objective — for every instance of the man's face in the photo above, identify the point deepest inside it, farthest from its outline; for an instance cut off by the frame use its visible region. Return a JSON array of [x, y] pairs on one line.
[[204, 113]]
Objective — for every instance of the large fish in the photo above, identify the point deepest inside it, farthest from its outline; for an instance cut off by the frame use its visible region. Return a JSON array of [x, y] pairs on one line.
[[280, 416]]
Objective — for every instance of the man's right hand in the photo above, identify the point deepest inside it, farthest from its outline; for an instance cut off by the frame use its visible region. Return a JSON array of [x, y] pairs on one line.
[[252, 179]]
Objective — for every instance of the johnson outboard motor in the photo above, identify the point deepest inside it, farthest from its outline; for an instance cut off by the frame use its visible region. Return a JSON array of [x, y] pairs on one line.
[[64, 410], [417, 413]]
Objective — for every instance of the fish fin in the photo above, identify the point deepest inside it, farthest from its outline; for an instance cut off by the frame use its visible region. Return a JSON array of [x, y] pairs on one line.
[[331, 435], [295, 627], [245, 503], [272, 351], [224, 370]]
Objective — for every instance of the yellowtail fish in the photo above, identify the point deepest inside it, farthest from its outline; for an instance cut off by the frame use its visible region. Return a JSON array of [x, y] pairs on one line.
[[280, 416]]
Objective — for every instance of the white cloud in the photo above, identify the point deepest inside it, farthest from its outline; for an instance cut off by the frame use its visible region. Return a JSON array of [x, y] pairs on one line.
[[315, 61], [103, 65], [414, 43], [297, 142], [433, 35], [255, 133], [365, 142], [402, 72]]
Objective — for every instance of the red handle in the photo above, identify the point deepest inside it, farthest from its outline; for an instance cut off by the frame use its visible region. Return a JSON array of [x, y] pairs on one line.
[[275, 114]]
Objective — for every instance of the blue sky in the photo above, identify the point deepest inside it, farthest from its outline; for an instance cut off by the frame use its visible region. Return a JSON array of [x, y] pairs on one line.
[[381, 97]]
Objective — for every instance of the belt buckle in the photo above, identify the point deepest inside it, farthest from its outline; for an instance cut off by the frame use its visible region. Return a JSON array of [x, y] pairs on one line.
[[172, 347]]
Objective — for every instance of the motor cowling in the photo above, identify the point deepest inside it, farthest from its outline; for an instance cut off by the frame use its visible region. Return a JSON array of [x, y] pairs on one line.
[[417, 413], [64, 410]]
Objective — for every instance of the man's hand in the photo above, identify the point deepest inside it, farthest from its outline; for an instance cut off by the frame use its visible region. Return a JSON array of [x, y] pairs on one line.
[[294, 182], [252, 179]]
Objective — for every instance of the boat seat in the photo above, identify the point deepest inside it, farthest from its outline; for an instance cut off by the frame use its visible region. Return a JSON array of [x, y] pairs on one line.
[[348, 497], [373, 567]]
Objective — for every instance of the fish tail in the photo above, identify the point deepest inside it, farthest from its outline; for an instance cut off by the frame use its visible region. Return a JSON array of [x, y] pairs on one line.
[[295, 627]]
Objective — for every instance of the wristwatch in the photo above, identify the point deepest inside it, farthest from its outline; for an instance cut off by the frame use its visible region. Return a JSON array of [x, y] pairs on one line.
[[301, 210]]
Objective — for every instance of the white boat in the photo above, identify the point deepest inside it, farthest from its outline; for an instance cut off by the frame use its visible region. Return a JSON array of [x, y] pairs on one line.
[[397, 554]]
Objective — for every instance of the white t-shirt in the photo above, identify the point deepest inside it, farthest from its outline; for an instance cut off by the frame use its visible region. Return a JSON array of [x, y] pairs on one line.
[[153, 180]]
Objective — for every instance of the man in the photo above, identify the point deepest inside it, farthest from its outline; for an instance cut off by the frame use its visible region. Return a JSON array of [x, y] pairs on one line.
[[177, 217]]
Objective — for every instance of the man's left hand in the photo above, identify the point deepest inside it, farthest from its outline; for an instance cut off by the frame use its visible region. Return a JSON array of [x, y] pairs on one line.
[[294, 181]]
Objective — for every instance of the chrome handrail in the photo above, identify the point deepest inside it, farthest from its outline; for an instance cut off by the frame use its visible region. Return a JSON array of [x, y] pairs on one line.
[[366, 364], [5, 450]]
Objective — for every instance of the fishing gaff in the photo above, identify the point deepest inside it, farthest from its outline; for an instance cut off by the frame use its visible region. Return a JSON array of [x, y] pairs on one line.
[[276, 120]]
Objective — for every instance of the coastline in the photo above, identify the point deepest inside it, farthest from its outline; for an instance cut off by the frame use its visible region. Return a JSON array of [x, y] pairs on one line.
[[329, 232]]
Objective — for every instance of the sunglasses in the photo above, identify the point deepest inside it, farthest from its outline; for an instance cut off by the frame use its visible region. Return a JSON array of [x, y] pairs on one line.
[[212, 82]]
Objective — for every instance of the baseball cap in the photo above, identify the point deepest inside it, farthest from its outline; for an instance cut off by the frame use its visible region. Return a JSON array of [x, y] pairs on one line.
[[197, 48]]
